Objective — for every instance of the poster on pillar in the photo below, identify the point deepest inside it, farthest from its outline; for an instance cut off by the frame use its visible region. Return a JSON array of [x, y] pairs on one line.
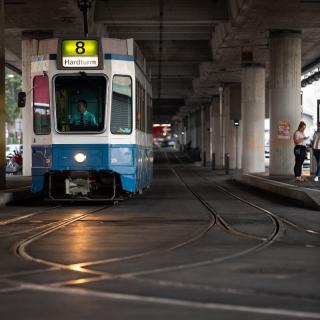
[[284, 129]]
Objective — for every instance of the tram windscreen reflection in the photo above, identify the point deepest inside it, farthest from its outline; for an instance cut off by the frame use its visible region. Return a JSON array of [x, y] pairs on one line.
[[80, 103]]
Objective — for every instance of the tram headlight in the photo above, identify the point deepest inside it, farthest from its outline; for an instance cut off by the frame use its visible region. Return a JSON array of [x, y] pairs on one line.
[[80, 157]]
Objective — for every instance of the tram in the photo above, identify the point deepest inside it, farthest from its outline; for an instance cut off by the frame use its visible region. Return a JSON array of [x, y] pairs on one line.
[[92, 114]]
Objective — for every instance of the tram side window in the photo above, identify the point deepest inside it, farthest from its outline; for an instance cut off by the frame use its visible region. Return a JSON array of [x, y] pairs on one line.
[[149, 114], [140, 107], [121, 109], [138, 113], [143, 110], [41, 105]]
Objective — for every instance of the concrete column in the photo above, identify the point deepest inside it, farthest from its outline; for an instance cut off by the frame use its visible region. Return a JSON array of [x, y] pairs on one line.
[[211, 131], [188, 131], [184, 131], [231, 132], [217, 132], [253, 113], [285, 113], [178, 132], [235, 114], [203, 132], [221, 127], [2, 101], [193, 135], [198, 125], [207, 134], [29, 49]]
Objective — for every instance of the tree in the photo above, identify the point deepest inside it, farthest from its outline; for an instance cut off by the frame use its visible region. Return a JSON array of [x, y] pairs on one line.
[[13, 85]]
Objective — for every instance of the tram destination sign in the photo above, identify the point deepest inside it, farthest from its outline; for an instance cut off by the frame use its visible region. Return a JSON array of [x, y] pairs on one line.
[[79, 54]]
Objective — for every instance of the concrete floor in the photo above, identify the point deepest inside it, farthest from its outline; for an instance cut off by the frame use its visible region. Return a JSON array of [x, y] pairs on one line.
[[162, 255]]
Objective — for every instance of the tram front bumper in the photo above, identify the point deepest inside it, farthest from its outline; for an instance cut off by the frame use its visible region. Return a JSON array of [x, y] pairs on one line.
[[79, 184]]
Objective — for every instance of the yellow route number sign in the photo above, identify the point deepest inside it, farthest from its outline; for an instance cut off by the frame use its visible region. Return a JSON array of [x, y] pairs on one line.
[[79, 54]]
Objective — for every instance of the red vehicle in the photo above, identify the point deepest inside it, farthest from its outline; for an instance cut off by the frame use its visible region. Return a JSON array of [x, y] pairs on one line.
[[162, 135]]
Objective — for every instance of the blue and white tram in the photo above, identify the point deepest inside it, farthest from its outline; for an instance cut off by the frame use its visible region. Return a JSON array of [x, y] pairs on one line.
[[92, 110]]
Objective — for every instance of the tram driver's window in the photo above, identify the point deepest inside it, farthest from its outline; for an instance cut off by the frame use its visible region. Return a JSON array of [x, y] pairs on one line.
[[41, 105], [80, 103], [121, 112]]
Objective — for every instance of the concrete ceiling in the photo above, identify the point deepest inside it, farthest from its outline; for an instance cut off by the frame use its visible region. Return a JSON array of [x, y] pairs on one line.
[[191, 46]]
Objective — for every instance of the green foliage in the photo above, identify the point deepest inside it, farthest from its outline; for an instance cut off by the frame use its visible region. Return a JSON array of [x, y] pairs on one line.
[[13, 85]]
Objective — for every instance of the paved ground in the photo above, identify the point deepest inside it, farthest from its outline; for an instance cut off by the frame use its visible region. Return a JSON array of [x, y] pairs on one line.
[[188, 248], [308, 183], [16, 181]]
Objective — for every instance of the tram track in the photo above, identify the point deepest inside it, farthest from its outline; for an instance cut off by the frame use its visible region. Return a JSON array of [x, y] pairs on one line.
[[6, 222], [264, 242], [21, 248], [250, 203], [83, 267], [284, 220], [30, 229], [222, 222], [64, 287]]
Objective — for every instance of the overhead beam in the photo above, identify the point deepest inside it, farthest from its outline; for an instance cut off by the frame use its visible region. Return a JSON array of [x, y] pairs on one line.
[[208, 11]]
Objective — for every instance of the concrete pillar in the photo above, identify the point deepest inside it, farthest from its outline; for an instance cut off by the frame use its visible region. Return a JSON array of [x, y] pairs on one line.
[[235, 114], [2, 101], [284, 86], [217, 132], [184, 131], [193, 129], [221, 127], [253, 113], [232, 138], [178, 132], [198, 128], [207, 133], [203, 133], [188, 131], [211, 131], [29, 49]]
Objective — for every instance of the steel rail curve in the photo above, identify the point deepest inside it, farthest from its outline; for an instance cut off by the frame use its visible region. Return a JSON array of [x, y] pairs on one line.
[[277, 231], [284, 220], [5, 222]]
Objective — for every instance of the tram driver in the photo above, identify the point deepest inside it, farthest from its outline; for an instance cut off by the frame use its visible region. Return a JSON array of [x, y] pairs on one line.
[[84, 118]]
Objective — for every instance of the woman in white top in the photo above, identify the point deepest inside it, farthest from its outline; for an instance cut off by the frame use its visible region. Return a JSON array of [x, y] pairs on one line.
[[316, 151], [300, 150]]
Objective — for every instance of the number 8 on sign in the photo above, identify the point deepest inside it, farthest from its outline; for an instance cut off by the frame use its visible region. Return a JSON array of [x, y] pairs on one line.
[[80, 47]]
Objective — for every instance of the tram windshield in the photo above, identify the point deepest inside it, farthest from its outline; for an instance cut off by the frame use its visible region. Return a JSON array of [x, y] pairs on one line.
[[80, 103]]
